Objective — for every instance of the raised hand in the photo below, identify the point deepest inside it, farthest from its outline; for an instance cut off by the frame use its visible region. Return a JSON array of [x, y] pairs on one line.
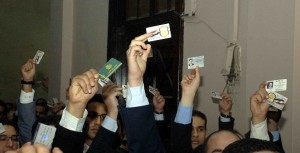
[[258, 105], [158, 102], [137, 54], [81, 90], [27, 73], [190, 84], [28, 70], [36, 148], [225, 104], [110, 92]]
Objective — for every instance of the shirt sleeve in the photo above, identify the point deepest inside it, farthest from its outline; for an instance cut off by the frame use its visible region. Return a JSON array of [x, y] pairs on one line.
[[224, 119], [71, 122], [26, 97], [136, 96], [110, 124], [260, 131], [159, 117], [276, 135], [184, 114]]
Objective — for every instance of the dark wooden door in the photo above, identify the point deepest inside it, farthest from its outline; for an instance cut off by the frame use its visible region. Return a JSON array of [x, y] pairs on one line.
[[164, 68]]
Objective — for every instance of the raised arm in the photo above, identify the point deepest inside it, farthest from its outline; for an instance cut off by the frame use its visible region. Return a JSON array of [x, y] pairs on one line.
[[226, 121], [103, 141], [259, 108], [181, 128], [25, 104], [70, 134], [139, 123]]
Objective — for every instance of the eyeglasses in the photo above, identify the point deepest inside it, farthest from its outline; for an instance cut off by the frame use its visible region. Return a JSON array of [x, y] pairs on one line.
[[93, 115], [5, 138]]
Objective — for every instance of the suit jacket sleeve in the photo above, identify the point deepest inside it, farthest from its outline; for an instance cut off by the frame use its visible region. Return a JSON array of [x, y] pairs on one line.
[[141, 129], [26, 119], [69, 141], [103, 141], [181, 138], [226, 125]]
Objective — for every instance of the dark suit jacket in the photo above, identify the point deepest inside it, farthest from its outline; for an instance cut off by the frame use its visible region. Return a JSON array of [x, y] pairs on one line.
[[141, 129], [103, 142], [69, 141], [278, 142], [26, 119]]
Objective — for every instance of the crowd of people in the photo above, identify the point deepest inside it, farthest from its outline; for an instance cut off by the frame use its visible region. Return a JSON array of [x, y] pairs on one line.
[[96, 123]]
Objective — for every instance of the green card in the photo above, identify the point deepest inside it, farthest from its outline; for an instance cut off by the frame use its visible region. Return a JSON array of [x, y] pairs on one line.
[[109, 68]]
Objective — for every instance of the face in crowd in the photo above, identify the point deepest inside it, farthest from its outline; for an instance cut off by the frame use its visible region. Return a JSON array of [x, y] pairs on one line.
[[9, 139], [96, 114], [198, 129], [41, 108]]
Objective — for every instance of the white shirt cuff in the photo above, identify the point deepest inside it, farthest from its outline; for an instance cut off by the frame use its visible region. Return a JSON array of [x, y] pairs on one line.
[[260, 131], [136, 96], [110, 124], [159, 117], [224, 119], [71, 122], [26, 97]]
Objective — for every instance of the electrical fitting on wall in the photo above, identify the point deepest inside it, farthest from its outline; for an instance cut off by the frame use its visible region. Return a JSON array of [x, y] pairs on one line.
[[190, 8], [232, 68]]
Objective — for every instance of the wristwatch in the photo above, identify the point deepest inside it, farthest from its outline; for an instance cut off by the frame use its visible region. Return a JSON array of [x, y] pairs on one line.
[[226, 116]]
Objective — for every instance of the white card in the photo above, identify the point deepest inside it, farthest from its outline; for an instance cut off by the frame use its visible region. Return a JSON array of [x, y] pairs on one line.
[[2, 129], [124, 91], [277, 100], [152, 90], [103, 82], [195, 61], [160, 32], [276, 85], [38, 57], [216, 95], [44, 134]]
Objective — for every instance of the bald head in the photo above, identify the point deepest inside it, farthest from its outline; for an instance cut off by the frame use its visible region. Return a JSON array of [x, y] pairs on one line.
[[217, 141]]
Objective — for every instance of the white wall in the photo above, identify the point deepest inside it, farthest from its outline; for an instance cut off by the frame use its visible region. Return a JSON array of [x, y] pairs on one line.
[[267, 34], [78, 40]]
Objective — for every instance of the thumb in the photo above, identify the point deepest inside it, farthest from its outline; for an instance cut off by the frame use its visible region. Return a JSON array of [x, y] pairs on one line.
[[262, 85]]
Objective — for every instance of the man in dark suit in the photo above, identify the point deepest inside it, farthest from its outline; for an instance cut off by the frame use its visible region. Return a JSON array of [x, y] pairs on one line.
[[71, 132]]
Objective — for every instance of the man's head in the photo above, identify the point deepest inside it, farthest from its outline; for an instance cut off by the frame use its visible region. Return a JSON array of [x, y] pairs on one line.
[[3, 110], [217, 141], [41, 108], [96, 113], [9, 139], [199, 122], [252, 146]]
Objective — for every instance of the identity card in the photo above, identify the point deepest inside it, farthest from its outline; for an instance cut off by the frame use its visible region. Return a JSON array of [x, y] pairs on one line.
[[159, 32], [195, 61], [38, 57], [44, 134]]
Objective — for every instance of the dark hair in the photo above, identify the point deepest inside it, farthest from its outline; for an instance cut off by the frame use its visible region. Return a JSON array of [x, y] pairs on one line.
[[197, 113], [96, 98], [3, 104], [234, 132], [42, 102], [274, 115], [250, 146]]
